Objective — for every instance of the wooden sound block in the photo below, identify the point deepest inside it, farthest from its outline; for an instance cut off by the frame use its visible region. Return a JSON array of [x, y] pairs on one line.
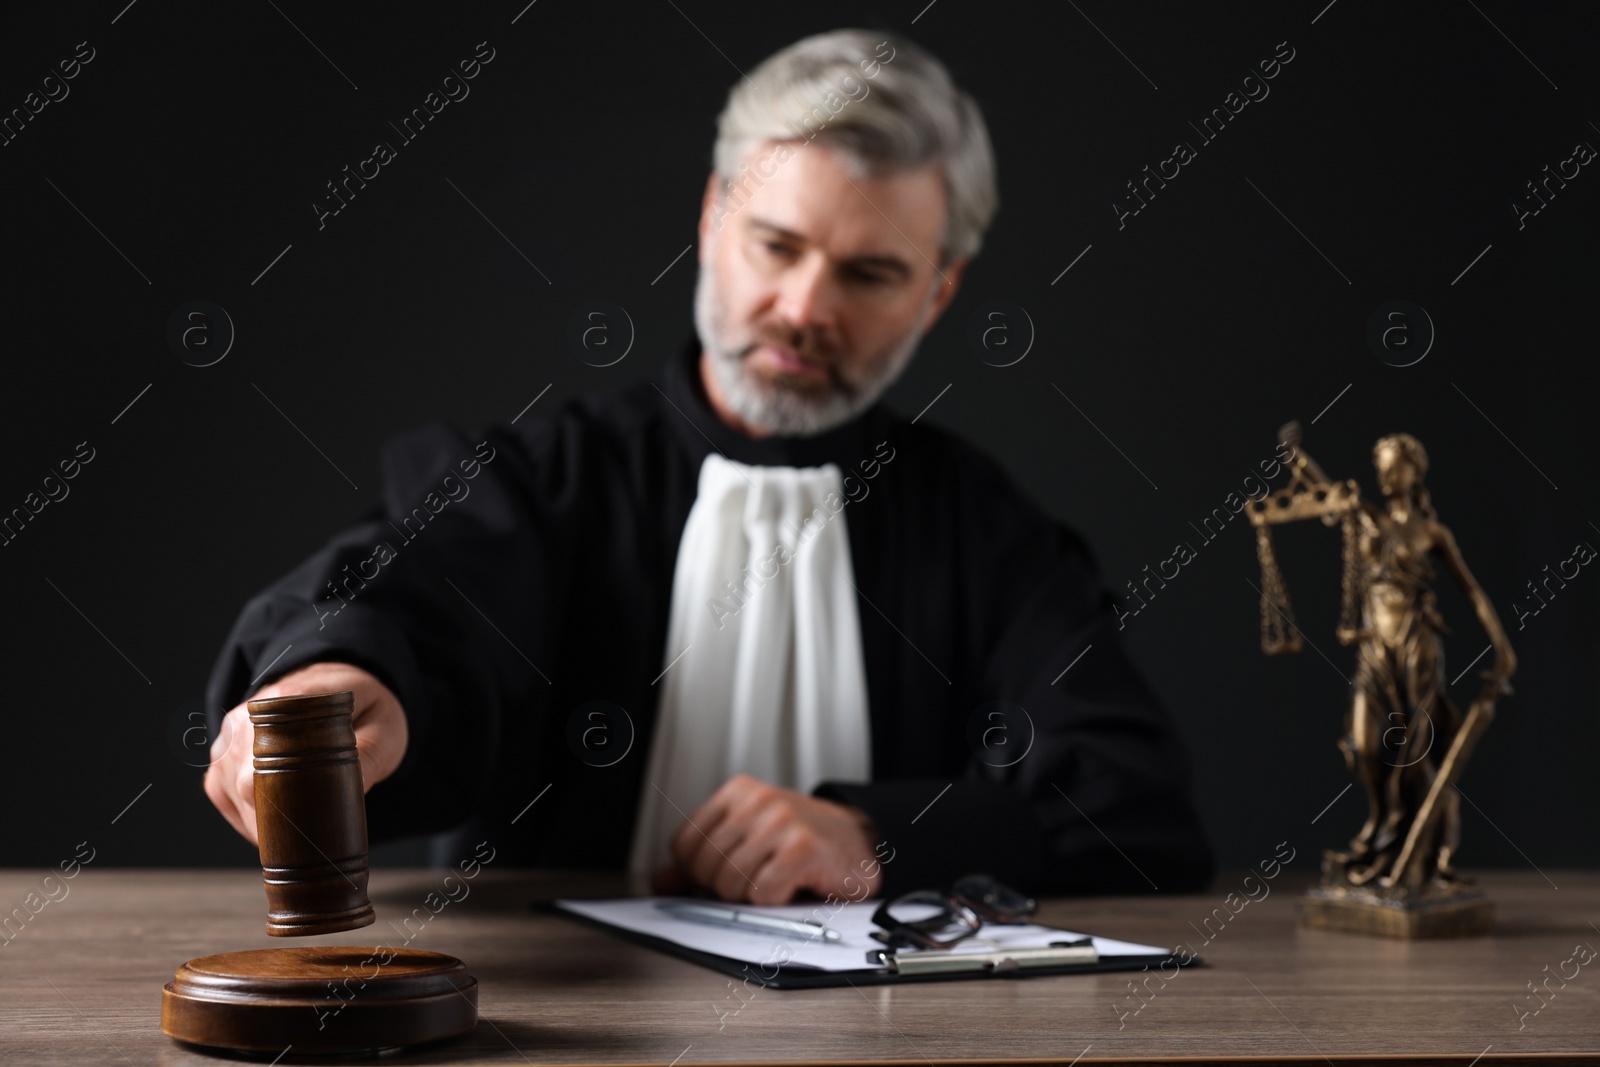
[[319, 999]]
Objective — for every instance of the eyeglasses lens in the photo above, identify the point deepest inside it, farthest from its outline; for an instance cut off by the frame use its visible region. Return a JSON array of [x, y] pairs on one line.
[[993, 901], [935, 919]]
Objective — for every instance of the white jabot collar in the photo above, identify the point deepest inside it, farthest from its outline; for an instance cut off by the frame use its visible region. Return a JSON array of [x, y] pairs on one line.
[[764, 672]]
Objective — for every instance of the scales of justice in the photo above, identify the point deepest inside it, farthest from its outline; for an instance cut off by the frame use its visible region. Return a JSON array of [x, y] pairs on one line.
[[1405, 742]]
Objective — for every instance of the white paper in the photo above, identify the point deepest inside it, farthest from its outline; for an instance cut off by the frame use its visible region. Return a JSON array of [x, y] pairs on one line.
[[849, 953]]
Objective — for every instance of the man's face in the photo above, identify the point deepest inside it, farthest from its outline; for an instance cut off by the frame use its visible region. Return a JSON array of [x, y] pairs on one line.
[[815, 288]]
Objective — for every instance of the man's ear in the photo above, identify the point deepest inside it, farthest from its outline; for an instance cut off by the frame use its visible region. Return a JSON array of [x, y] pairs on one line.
[[947, 286]]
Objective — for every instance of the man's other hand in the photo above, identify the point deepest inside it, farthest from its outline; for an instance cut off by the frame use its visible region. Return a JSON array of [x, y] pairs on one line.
[[759, 843], [380, 725]]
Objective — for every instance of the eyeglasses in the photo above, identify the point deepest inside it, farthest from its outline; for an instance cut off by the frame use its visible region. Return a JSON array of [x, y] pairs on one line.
[[928, 918]]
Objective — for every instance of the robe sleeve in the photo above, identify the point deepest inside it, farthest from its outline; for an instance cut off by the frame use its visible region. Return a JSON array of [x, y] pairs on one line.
[[442, 591], [1101, 802]]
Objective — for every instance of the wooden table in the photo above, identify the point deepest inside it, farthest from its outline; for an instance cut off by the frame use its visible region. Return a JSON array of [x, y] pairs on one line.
[[80, 982]]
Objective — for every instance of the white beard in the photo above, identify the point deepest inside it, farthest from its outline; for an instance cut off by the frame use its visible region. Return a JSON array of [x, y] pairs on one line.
[[775, 407]]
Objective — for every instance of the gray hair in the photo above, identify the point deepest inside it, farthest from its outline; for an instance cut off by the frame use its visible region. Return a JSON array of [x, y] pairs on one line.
[[883, 104]]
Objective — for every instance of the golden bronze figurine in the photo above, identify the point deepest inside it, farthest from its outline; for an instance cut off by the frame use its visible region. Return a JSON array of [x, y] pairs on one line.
[[1405, 742]]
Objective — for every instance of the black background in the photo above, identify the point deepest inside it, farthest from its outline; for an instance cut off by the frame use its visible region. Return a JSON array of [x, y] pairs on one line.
[[198, 137]]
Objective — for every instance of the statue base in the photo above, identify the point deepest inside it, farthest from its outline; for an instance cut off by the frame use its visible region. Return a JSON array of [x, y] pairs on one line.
[[1456, 909]]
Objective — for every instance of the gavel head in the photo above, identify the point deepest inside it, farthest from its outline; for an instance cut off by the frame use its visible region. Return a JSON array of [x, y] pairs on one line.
[[311, 815]]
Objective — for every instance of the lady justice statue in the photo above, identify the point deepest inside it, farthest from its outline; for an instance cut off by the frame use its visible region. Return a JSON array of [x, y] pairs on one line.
[[1405, 742]]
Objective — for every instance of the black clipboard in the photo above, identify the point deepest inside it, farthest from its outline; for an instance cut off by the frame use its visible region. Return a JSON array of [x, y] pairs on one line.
[[789, 976]]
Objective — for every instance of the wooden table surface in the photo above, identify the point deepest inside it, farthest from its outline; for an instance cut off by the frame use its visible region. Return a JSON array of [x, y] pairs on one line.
[[81, 982]]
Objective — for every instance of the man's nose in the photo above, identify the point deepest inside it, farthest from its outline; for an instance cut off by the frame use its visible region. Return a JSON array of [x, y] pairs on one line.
[[805, 295]]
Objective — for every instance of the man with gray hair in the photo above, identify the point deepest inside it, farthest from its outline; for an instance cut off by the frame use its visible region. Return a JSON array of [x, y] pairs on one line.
[[741, 627]]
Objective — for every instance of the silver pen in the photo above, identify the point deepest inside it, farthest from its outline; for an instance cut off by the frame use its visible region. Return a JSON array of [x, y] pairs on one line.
[[925, 961], [803, 929]]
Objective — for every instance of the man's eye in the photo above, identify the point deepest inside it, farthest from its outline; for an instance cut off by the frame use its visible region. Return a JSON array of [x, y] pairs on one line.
[[776, 247], [868, 278]]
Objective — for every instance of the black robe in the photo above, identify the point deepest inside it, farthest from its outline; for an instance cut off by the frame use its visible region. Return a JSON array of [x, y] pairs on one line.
[[503, 584]]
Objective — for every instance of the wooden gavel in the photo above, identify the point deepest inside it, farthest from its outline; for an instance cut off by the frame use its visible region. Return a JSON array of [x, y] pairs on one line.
[[311, 815], [311, 821]]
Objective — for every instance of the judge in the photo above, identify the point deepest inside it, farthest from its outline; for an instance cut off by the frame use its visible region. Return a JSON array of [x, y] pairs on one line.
[[831, 650]]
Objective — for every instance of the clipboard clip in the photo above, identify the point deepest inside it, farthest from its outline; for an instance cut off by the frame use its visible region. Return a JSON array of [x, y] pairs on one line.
[[925, 961]]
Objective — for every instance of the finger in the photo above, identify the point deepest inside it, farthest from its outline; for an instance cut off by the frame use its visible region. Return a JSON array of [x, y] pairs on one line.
[[381, 741], [691, 845], [219, 788], [743, 874], [235, 732], [824, 872], [710, 850], [763, 826], [244, 797], [720, 824], [691, 833], [788, 869], [223, 741], [368, 761], [804, 860], [221, 780], [218, 796]]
